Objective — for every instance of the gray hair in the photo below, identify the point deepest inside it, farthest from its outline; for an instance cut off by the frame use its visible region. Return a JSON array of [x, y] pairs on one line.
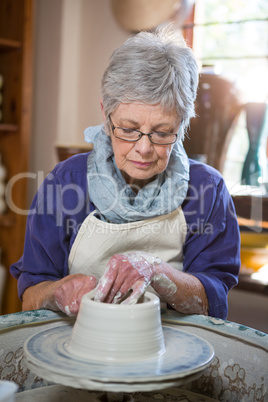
[[152, 68]]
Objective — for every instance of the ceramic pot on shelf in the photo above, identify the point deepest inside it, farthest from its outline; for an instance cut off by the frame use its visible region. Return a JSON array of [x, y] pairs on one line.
[[255, 166]]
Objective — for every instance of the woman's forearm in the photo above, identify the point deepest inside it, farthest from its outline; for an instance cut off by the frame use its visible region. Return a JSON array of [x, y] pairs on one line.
[[184, 292], [40, 296]]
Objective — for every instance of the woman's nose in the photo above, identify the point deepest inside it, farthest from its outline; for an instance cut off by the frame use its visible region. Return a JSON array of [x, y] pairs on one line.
[[144, 145]]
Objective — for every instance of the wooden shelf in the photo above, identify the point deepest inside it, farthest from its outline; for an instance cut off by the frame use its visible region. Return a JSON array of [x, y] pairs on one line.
[[16, 54], [65, 151], [8, 127], [247, 283], [7, 44], [247, 206]]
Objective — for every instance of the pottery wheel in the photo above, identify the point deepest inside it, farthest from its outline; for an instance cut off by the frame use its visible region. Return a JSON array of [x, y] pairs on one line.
[[184, 360]]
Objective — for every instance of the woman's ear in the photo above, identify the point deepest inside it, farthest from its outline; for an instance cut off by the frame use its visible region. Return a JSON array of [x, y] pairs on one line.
[[102, 109], [104, 119]]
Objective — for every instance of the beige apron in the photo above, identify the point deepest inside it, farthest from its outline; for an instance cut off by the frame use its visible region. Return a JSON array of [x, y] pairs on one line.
[[97, 241]]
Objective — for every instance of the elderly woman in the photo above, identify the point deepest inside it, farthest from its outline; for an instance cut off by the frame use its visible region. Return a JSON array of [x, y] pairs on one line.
[[135, 213]]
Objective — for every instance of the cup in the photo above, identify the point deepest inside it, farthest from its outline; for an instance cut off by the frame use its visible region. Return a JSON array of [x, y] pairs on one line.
[[7, 391]]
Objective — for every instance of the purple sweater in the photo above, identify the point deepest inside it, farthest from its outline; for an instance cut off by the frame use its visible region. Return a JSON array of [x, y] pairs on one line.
[[211, 249]]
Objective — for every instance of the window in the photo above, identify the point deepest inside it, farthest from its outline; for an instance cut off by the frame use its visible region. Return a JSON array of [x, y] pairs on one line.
[[232, 36]]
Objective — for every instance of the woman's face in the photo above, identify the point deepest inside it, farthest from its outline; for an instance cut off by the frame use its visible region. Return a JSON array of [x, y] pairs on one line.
[[141, 161]]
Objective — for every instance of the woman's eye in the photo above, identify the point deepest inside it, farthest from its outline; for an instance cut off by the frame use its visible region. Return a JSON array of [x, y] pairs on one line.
[[129, 131], [162, 135]]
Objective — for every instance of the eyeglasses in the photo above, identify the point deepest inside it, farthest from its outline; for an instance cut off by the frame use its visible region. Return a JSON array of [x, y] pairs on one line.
[[133, 135]]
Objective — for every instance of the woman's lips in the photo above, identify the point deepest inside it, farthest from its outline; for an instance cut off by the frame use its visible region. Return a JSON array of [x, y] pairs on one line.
[[142, 164]]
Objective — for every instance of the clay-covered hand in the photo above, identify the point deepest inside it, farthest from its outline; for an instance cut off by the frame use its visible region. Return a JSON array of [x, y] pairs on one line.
[[70, 291], [127, 277]]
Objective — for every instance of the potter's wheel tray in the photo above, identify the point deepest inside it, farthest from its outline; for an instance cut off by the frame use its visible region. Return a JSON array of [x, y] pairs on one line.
[[185, 357]]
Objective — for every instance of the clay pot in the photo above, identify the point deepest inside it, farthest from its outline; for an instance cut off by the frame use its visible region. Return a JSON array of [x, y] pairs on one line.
[[118, 332]]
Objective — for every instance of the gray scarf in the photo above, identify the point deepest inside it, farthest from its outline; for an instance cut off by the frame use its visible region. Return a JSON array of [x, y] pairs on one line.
[[115, 201]]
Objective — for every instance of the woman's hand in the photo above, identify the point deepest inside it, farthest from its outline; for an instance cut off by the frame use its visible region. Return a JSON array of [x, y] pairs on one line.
[[127, 277], [64, 295], [69, 294]]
